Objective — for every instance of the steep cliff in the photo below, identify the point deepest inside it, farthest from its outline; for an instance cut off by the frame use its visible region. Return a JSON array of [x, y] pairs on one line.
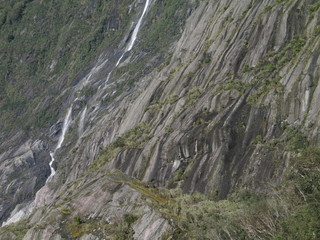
[[197, 120]]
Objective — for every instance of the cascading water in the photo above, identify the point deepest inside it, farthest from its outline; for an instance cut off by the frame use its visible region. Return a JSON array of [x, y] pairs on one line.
[[137, 28], [27, 210], [81, 121], [65, 127], [135, 32], [53, 171], [93, 71], [132, 40]]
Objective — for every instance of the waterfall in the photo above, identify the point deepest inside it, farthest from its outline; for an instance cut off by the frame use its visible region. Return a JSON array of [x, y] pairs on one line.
[[135, 32], [25, 211], [133, 37], [95, 69], [108, 76], [137, 28], [20, 212], [65, 127], [81, 121], [67, 119], [53, 171], [120, 58]]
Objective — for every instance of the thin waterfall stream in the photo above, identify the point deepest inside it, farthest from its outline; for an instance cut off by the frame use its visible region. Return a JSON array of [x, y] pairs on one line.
[[132, 40], [65, 127], [66, 121], [82, 119], [135, 32], [137, 28], [25, 211]]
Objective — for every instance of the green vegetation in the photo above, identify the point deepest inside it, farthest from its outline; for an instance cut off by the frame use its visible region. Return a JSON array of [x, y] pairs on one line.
[[156, 106], [295, 140], [88, 92], [124, 230], [134, 138], [158, 196], [266, 73], [303, 220], [77, 220], [289, 212], [275, 3], [14, 176], [165, 21], [48, 44], [119, 226], [193, 95], [205, 60], [163, 25], [317, 30], [45, 46], [121, 229], [314, 7], [232, 84], [129, 218], [18, 229], [80, 226]]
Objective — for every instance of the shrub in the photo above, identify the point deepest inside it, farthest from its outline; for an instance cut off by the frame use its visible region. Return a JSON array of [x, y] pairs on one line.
[[129, 218], [78, 220], [193, 94]]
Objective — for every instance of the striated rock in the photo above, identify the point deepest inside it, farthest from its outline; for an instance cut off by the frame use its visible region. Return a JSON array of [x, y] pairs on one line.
[[24, 171], [224, 112]]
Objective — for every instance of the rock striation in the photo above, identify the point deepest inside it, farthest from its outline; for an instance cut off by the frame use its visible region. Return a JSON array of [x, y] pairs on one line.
[[224, 106]]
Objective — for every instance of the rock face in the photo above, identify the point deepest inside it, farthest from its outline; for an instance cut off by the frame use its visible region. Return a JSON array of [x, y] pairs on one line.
[[24, 170], [223, 106]]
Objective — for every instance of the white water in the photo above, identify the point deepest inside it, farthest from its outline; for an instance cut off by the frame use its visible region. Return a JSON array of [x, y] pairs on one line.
[[65, 127], [108, 76], [81, 121], [132, 40], [25, 211], [137, 28], [53, 171], [94, 70], [120, 59], [135, 32]]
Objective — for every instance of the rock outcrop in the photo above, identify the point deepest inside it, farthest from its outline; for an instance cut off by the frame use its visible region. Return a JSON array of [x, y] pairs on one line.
[[225, 106]]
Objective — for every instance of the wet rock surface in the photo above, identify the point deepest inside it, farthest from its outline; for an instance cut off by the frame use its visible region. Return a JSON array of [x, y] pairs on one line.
[[241, 81]]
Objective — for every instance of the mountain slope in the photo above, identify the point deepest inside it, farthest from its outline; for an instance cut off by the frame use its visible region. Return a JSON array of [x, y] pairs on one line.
[[228, 112]]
